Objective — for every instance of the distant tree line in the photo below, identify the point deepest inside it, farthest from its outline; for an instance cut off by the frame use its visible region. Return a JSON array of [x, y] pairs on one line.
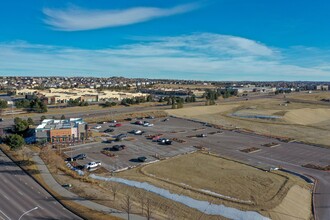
[[76, 102], [108, 104], [35, 104], [136, 100], [176, 101]]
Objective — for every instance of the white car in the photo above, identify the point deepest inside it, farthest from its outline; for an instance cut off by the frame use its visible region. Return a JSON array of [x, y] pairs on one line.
[[92, 165], [138, 132], [98, 127], [148, 125]]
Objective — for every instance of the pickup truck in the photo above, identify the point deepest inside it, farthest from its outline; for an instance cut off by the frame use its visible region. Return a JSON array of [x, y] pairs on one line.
[[92, 165]]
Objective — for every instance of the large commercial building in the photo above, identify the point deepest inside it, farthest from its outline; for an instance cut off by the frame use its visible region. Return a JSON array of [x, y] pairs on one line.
[[68, 130], [56, 96]]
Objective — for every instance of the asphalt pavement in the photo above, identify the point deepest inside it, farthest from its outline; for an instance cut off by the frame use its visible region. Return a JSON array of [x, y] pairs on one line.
[[19, 193]]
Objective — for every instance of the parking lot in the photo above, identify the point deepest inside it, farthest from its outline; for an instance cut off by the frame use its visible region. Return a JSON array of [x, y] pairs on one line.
[[137, 145], [183, 133]]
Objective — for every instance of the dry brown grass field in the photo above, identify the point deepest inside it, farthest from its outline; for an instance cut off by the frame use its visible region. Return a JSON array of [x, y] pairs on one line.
[[314, 96], [307, 122], [190, 174]]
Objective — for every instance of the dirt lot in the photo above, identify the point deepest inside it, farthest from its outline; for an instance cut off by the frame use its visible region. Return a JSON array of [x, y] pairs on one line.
[[305, 122]]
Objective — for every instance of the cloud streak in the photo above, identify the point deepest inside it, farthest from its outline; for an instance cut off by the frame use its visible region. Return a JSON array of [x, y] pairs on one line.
[[78, 19], [201, 56]]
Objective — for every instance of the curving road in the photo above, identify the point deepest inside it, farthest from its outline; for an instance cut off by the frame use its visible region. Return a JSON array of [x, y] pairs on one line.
[[20, 193]]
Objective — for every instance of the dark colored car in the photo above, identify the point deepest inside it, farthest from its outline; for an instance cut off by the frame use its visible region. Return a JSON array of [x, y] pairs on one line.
[[142, 159], [118, 147], [201, 135], [138, 123], [108, 130], [79, 157], [67, 185]]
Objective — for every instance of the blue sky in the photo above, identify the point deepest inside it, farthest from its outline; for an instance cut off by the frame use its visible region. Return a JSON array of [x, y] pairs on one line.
[[202, 40]]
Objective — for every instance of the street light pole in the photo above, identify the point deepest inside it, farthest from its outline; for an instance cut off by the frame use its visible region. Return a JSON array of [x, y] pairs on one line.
[[35, 208]]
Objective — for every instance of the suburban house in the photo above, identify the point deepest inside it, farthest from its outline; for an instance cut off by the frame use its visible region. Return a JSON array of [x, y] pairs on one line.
[[67, 130]]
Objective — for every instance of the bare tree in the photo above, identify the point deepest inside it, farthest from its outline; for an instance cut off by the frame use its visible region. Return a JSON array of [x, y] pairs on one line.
[[148, 209], [114, 187], [170, 213], [142, 199], [127, 205]]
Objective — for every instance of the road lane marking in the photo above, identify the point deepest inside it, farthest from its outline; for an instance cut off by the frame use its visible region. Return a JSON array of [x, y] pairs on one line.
[[5, 215]]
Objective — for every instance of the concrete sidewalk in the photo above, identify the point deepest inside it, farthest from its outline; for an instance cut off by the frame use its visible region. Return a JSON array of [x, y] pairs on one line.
[[51, 183]]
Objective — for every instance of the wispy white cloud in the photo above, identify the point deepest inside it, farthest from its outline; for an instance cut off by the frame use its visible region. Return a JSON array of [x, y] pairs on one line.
[[78, 19], [197, 56]]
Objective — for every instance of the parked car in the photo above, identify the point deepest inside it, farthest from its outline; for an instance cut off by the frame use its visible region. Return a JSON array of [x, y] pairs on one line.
[[128, 119], [67, 185], [92, 165], [136, 132], [120, 137], [119, 147], [166, 119], [79, 157], [168, 142], [1, 119], [108, 130], [113, 121], [148, 125], [115, 125], [201, 135], [150, 117], [165, 141], [138, 123], [98, 127], [162, 139], [142, 159]]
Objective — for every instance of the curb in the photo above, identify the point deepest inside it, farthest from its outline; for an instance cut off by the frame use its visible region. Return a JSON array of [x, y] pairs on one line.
[[313, 200]]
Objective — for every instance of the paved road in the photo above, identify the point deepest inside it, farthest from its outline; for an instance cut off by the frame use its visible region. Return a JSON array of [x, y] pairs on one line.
[[20, 193], [7, 122], [113, 111], [51, 182]]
